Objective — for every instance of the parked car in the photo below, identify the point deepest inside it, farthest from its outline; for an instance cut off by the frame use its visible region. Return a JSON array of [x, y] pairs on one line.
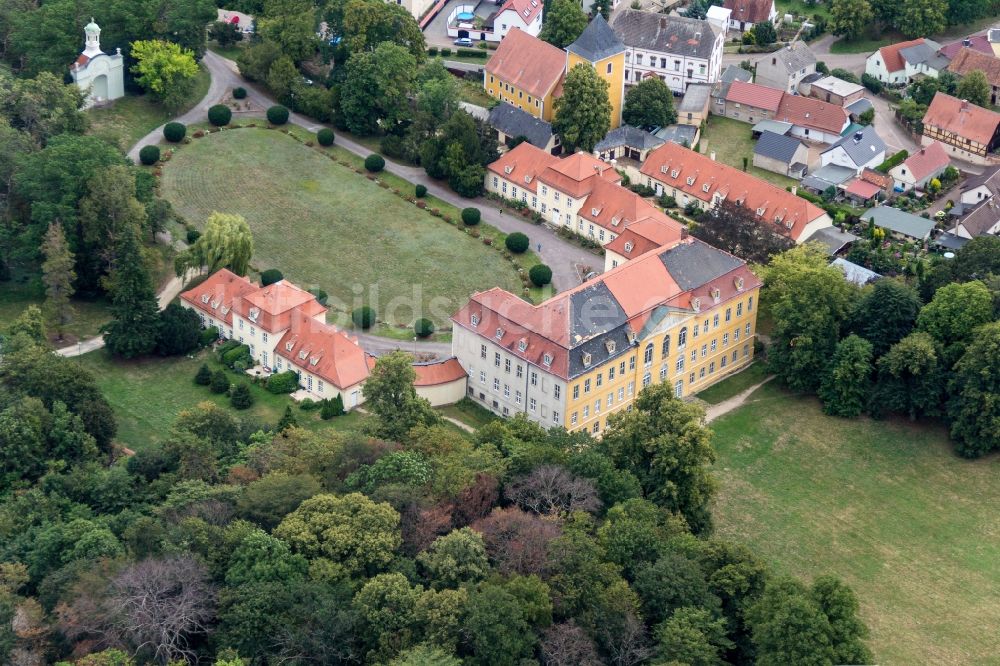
[[463, 41]]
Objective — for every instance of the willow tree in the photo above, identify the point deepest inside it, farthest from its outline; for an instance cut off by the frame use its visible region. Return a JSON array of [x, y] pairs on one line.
[[225, 243]]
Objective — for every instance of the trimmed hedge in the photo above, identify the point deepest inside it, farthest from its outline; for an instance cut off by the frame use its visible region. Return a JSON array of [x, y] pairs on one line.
[[174, 132], [320, 295], [423, 328], [270, 276], [332, 407], [209, 335], [445, 52], [149, 155], [540, 275], [282, 382], [471, 53], [277, 115], [420, 191], [235, 355], [192, 236], [432, 51], [325, 137], [517, 242], [893, 161], [220, 115], [374, 163], [471, 216], [363, 317], [239, 93]]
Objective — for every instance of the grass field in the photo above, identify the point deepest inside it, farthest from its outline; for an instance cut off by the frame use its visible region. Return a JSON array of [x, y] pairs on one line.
[[16, 296], [147, 395], [134, 116], [323, 225], [878, 39], [469, 413], [731, 141], [733, 386], [800, 8], [885, 505]]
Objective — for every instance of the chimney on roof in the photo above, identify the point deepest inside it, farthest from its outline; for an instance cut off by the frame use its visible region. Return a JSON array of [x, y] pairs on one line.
[[663, 23], [965, 105], [795, 190], [711, 155], [858, 136]]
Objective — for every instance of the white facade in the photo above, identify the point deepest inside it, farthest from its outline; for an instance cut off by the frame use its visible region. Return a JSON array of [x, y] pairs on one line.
[[838, 156], [875, 66], [503, 22], [677, 71], [98, 75], [743, 26]]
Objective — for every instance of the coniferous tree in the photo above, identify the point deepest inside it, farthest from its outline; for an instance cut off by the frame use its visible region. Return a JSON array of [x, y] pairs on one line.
[[135, 314], [58, 276], [241, 397], [219, 383], [287, 420], [204, 376]]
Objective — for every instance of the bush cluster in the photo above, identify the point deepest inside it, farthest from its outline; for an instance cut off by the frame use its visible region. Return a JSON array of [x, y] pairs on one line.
[[374, 163], [423, 328], [517, 242], [270, 276], [540, 275], [174, 132], [282, 382], [209, 335], [332, 407], [277, 115], [149, 155], [220, 115], [325, 137], [237, 357], [420, 191], [363, 317], [471, 216], [471, 53]]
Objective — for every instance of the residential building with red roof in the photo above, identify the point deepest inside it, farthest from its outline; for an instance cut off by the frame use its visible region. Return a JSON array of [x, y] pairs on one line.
[[898, 64], [683, 313], [920, 167], [213, 299], [979, 43], [969, 132], [811, 119], [440, 382], [691, 177], [747, 13], [524, 15], [750, 102], [515, 174], [526, 72], [969, 60]]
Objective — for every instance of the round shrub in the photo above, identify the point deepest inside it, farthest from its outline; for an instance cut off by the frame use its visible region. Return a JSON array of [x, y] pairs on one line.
[[239, 93], [423, 328], [241, 398], [374, 162], [471, 216], [277, 115], [540, 275], [204, 376], [282, 382], [220, 115], [325, 137], [420, 191], [270, 276], [193, 235], [219, 383], [149, 155], [363, 317], [517, 242], [174, 132]]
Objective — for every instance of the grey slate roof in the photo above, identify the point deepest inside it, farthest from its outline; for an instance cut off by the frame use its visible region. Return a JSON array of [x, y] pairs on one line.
[[859, 275], [680, 134], [982, 217], [861, 149], [667, 34], [626, 135], [990, 177], [696, 98], [860, 106], [597, 41], [729, 74], [773, 126], [777, 146], [950, 241], [514, 122], [833, 239], [693, 264], [795, 56], [899, 222], [924, 53]]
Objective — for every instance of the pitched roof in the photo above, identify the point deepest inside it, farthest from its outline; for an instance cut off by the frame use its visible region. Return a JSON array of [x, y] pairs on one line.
[[515, 122], [899, 221], [854, 273], [709, 178], [575, 175], [837, 86], [777, 146], [615, 208], [749, 11], [795, 56], [626, 135], [215, 296], [641, 237], [989, 177], [982, 218], [862, 189], [323, 350], [680, 133], [438, 372], [925, 53], [755, 95], [979, 43], [959, 117], [696, 98], [527, 63], [526, 9], [729, 74], [522, 164], [859, 106], [812, 113], [890, 54], [597, 41], [860, 146], [271, 307], [968, 60], [666, 34], [833, 239], [929, 159], [883, 180]]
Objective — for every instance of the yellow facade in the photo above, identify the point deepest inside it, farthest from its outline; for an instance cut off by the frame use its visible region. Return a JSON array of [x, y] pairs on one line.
[[713, 344], [612, 70], [505, 92]]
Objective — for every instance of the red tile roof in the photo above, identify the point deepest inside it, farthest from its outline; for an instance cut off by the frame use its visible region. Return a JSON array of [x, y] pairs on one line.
[[977, 42], [883, 180], [890, 54], [749, 11], [929, 159], [968, 60], [215, 295], [812, 113], [573, 175], [527, 63], [962, 119], [862, 189], [82, 60], [438, 372], [643, 236], [322, 350], [729, 183], [523, 164], [614, 207], [273, 305], [752, 94], [526, 9]]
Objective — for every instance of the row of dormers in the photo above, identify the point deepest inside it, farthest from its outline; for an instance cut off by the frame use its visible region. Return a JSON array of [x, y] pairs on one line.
[[214, 304]]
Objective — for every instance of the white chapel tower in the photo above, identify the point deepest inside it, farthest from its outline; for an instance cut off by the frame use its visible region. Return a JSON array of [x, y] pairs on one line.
[[100, 76]]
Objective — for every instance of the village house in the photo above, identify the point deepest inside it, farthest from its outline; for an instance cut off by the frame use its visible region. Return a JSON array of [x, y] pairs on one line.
[[745, 14], [511, 123], [969, 60], [693, 178], [978, 207], [786, 68], [599, 47], [693, 107], [683, 314], [900, 223], [523, 15], [897, 64], [678, 50], [969, 132], [835, 91], [626, 143], [751, 103], [919, 168], [525, 72], [858, 150], [812, 119], [782, 154], [979, 43]]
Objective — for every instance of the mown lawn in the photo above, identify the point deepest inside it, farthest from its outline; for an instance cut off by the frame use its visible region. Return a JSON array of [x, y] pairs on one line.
[[324, 225], [16, 296], [885, 505], [469, 413], [732, 141], [132, 117], [877, 39], [736, 384], [148, 394]]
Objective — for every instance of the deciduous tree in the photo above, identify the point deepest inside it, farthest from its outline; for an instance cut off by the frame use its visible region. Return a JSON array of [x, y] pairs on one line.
[[974, 410], [291, 24], [553, 489], [517, 541], [850, 18], [389, 393], [563, 23], [846, 384], [377, 87], [58, 276], [975, 88], [165, 70], [847, 631], [916, 18], [649, 103], [495, 628], [790, 628], [735, 229], [952, 316], [583, 113], [454, 559], [885, 314], [225, 243], [693, 636], [366, 25]]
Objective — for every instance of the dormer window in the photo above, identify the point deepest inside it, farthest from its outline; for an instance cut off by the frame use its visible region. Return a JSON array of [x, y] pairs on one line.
[[204, 298], [586, 359], [628, 246], [499, 333], [615, 221], [610, 346], [789, 224], [522, 345], [546, 359], [777, 219], [696, 304], [716, 294], [675, 173], [215, 305], [739, 284], [760, 211], [690, 180], [474, 319], [303, 354], [527, 179], [254, 313], [595, 212], [289, 345], [631, 337], [663, 169], [705, 187], [314, 360]]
